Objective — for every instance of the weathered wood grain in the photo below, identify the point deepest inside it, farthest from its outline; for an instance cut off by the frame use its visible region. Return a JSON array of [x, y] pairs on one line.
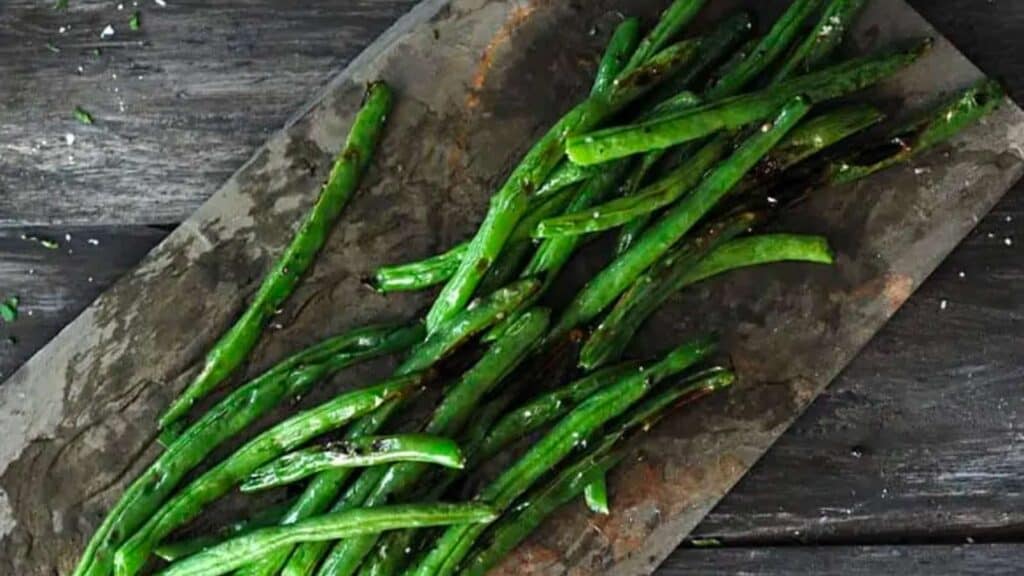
[[56, 285], [964, 560], [178, 105]]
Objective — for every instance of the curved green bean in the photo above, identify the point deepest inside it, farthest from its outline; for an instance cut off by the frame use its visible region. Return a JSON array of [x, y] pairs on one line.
[[620, 48], [569, 433], [357, 453], [237, 552], [827, 35], [606, 287], [286, 435], [234, 346], [670, 24], [763, 249], [594, 463], [510, 203], [418, 275], [290, 378], [448, 419], [731, 113], [939, 125]]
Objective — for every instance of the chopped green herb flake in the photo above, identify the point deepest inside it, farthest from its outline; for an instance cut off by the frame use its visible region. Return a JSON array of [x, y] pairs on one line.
[[706, 542], [52, 47], [136, 22], [9, 309], [82, 115]]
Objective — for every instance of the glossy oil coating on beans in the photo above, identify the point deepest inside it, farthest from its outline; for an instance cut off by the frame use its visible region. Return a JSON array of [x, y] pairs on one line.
[[292, 377], [448, 419], [731, 113], [228, 556], [620, 49], [418, 275], [826, 36], [358, 453], [574, 429], [234, 346], [289, 434], [606, 287]]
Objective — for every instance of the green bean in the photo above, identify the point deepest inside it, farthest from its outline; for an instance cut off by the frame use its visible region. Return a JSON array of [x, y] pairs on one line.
[[606, 287], [595, 495], [235, 553], [448, 419], [774, 45], [938, 126], [357, 453], [620, 48], [604, 454], [654, 197], [816, 134], [670, 24], [510, 203], [234, 346], [715, 47], [609, 341], [520, 244], [418, 275], [731, 113], [282, 437], [763, 249], [262, 518], [453, 545], [544, 409], [290, 378], [827, 35]]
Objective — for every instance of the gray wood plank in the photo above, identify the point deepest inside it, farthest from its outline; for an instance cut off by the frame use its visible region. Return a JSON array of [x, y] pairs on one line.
[[55, 285], [178, 105], [963, 560]]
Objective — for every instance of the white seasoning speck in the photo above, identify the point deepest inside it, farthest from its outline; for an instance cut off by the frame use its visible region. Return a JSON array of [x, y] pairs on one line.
[[161, 3], [1008, 241], [29, 312], [113, 76], [69, 139], [991, 235], [107, 32], [93, 241], [80, 69], [31, 271], [773, 200], [89, 279], [920, 171], [62, 29], [962, 275], [67, 237], [943, 305], [120, 6], [1009, 218]]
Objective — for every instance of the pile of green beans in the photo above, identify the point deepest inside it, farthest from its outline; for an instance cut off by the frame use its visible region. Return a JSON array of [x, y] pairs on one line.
[[686, 148]]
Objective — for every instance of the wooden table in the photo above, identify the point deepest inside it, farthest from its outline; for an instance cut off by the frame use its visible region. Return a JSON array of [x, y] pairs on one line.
[[911, 462]]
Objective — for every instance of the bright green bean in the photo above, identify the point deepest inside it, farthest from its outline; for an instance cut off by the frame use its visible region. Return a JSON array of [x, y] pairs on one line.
[[572, 431], [618, 53], [357, 453], [418, 275], [606, 287], [289, 434], [731, 113], [290, 378], [234, 346], [237, 552], [670, 24], [262, 518], [827, 35], [763, 249]]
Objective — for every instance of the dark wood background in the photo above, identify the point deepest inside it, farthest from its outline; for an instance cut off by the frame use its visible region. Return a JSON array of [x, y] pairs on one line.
[[912, 462]]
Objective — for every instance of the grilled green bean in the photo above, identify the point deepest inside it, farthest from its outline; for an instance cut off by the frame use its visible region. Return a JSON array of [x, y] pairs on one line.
[[358, 453], [288, 379], [237, 552], [287, 435], [606, 287], [618, 53], [670, 24], [262, 518], [827, 35], [418, 275], [938, 126], [605, 145], [509, 204], [603, 455], [448, 419], [756, 250], [234, 346], [573, 430], [595, 495], [544, 409]]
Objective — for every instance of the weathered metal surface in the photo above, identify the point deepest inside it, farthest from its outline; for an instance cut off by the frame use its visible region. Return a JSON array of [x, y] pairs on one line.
[[478, 80]]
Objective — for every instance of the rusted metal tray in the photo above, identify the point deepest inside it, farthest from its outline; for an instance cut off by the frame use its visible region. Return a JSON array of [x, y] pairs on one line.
[[478, 80]]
